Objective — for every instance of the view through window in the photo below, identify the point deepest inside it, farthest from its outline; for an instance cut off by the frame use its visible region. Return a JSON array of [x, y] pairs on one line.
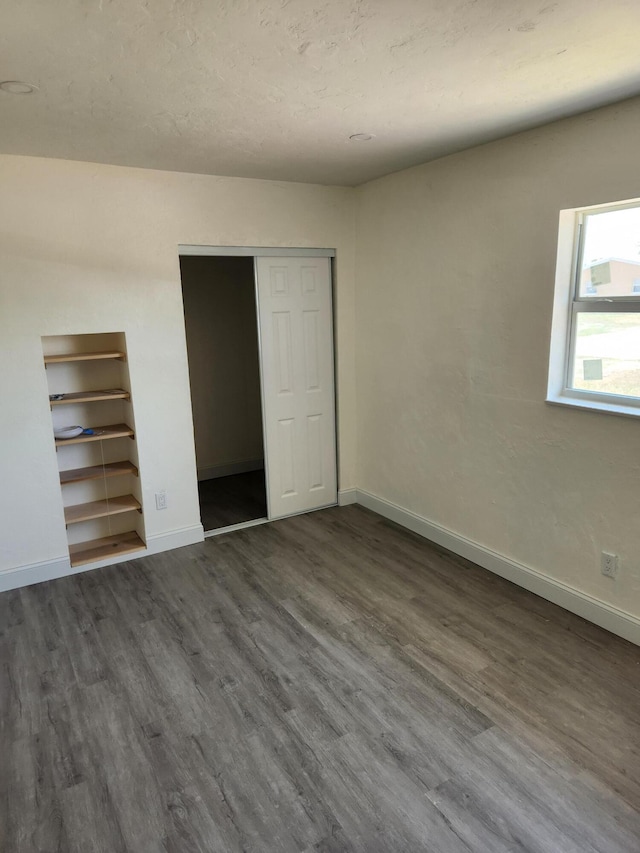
[[605, 329]]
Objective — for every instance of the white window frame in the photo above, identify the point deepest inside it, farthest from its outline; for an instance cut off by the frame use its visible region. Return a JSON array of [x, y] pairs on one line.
[[568, 303]]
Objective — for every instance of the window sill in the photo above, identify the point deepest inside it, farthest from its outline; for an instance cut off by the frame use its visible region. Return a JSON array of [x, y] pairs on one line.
[[631, 410]]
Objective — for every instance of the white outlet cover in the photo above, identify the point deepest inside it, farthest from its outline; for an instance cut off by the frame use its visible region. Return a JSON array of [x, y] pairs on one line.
[[609, 564]]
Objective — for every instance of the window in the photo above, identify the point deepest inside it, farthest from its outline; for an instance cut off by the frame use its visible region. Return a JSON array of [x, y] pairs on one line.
[[595, 343]]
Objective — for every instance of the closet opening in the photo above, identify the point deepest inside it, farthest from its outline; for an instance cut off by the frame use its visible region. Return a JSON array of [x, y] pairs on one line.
[[221, 321]]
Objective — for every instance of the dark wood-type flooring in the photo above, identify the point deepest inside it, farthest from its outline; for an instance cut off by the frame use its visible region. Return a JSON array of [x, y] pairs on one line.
[[230, 500], [324, 683]]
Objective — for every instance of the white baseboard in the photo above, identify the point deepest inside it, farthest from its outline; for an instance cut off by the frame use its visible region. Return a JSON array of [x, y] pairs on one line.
[[36, 573], [599, 612], [174, 539], [212, 471], [61, 567], [347, 496]]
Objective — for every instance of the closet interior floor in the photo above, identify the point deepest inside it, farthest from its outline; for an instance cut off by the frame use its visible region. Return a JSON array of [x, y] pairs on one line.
[[232, 500]]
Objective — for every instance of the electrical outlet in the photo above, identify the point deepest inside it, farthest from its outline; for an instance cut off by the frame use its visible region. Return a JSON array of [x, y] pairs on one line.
[[609, 564], [161, 500]]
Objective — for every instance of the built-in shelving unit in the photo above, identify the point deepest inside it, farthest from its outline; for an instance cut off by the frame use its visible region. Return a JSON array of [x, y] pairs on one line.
[[89, 396], [84, 356], [98, 469], [100, 433], [97, 472], [105, 548], [99, 509]]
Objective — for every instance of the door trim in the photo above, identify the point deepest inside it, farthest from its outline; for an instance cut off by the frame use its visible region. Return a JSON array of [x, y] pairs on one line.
[[197, 250], [253, 251], [265, 451]]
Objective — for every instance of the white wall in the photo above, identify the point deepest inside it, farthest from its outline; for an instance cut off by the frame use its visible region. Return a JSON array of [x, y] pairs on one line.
[[224, 369], [92, 248], [455, 265]]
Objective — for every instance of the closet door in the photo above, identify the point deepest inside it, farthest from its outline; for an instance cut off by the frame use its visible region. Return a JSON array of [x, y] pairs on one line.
[[298, 398]]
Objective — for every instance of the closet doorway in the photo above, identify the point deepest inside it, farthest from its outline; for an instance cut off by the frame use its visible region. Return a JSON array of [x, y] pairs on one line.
[[224, 371], [259, 326]]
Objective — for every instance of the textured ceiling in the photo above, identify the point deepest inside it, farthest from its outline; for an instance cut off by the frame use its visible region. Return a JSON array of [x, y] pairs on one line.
[[274, 89]]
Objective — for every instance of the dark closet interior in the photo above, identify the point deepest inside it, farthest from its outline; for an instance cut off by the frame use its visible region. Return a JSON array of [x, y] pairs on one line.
[[224, 372]]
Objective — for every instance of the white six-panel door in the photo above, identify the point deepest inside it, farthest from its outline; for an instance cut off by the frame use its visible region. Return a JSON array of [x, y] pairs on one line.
[[298, 398]]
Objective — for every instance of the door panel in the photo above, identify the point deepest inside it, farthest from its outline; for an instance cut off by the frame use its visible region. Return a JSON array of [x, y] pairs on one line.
[[296, 330]]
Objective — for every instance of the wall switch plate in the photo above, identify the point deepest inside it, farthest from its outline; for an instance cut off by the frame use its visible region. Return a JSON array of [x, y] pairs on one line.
[[161, 500], [609, 564]]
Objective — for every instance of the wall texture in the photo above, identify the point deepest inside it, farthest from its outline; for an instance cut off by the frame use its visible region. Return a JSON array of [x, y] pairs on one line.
[[455, 275], [92, 248], [224, 368]]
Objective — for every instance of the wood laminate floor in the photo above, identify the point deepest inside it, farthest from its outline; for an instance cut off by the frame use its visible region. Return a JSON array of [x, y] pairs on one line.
[[324, 683], [231, 500]]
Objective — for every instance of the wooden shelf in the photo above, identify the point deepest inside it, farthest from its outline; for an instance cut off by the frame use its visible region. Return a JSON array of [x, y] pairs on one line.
[[103, 549], [99, 434], [91, 397], [99, 509], [97, 472], [84, 356]]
